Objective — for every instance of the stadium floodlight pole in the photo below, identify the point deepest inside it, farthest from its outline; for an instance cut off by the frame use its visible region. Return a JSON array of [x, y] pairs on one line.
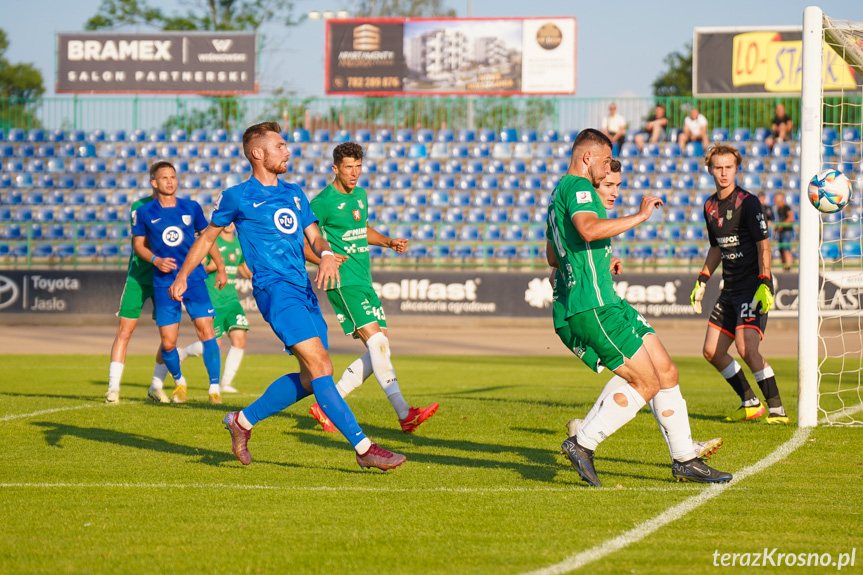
[[810, 164]]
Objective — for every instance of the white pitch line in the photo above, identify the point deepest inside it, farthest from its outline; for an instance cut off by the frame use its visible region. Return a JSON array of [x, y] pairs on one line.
[[644, 529], [641, 531], [43, 412]]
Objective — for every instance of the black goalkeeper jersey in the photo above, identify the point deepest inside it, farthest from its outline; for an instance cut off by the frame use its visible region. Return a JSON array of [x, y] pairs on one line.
[[735, 225]]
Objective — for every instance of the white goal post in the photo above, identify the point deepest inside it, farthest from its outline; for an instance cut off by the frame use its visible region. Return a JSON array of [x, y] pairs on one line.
[[830, 363]]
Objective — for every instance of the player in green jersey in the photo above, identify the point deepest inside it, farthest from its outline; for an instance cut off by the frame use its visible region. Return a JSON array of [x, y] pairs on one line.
[[230, 317], [608, 191], [625, 343], [138, 289], [342, 211]]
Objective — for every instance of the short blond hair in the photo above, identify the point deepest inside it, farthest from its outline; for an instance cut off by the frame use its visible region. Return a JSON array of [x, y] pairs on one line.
[[722, 150]]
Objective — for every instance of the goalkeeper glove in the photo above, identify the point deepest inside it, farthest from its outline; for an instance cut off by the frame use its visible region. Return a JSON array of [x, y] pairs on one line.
[[764, 294], [698, 291]]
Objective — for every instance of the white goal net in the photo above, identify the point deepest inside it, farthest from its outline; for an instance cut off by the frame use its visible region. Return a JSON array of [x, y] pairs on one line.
[[839, 307]]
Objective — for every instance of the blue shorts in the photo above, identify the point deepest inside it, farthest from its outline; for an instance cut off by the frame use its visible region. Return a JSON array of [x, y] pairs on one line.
[[196, 299], [293, 313]]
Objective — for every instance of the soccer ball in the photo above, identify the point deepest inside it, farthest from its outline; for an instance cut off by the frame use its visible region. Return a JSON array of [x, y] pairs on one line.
[[829, 191]]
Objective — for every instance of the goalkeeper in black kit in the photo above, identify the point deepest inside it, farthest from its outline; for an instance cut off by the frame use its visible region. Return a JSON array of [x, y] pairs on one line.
[[737, 231]]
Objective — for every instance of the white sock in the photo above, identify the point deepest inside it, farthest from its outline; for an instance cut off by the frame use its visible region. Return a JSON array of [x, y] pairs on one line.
[[160, 373], [610, 386], [115, 372], [355, 374], [181, 381], [232, 364], [243, 422], [214, 388], [194, 350], [379, 352], [363, 446], [670, 412], [610, 417]]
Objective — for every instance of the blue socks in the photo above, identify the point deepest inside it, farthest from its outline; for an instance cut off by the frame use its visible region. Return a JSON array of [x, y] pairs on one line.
[[282, 393], [336, 409], [172, 362], [212, 360]]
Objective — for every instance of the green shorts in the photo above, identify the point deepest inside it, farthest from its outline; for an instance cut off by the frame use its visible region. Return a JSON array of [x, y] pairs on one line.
[[228, 318], [573, 343], [614, 332], [356, 306], [133, 298]]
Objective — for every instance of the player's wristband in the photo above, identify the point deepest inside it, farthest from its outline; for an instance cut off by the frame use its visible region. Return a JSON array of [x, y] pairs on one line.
[[326, 253], [767, 280], [154, 259], [703, 278]]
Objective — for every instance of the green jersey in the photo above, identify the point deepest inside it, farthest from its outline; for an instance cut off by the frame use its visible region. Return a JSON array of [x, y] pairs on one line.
[[585, 266], [139, 270], [232, 255], [344, 222]]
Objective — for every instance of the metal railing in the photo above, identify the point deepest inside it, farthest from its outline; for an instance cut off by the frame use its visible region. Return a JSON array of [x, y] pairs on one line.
[[351, 113]]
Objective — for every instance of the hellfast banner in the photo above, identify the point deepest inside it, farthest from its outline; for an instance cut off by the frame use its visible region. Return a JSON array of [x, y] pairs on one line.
[[421, 56], [759, 62], [163, 62], [443, 294]]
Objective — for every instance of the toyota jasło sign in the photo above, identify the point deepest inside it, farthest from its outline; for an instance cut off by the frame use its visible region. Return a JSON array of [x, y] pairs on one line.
[[162, 62]]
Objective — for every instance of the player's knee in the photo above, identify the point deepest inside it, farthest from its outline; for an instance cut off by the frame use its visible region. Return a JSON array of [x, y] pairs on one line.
[[709, 354]]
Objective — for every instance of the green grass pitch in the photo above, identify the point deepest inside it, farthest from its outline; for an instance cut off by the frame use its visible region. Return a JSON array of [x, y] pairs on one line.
[[144, 488]]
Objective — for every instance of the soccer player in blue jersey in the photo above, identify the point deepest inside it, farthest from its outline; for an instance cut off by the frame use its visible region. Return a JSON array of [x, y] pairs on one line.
[[272, 218], [162, 233]]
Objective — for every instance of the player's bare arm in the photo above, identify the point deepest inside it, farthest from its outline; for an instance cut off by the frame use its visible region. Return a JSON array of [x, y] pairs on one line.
[[616, 266], [139, 244], [591, 227], [328, 268], [216, 259], [550, 256], [196, 254], [374, 238], [312, 258], [711, 262]]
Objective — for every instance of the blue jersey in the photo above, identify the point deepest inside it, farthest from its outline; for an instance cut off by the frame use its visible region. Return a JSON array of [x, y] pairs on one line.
[[270, 222], [170, 233]]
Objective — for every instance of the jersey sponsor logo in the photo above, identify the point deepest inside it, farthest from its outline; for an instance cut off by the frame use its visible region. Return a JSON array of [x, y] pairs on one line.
[[729, 214], [286, 220], [172, 236], [258, 204], [583, 197], [732, 256], [356, 214], [360, 204], [728, 241], [156, 220], [299, 205], [218, 201], [340, 206], [187, 220]]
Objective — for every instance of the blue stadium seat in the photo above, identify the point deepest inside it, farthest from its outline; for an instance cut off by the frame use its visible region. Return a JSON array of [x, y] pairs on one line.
[[382, 182], [46, 151], [829, 135], [318, 182], [476, 215], [755, 166], [569, 136], [466, 135], [445, 136], [432, 215], [411, 214], [200, 167], [418, 150], [300, 136], [628, 150], [511, 182], [404, 135], [454, 215], [384, 135], [503, 150], [781, 150], [469, 233], [425, 182], [411, 167], [481, 150], [440, 151], [514, 233], [150, 151], [741, 135], [219, 135], [28, 150], [532, 183], [462, 251], [694, 150], [505, 199], [778, 167], [36, 135], [7, 150], [719, 135], [549, 136], [506, 251], [482, 198], [850, 150], [375, 199], [850, 134], [23, 180], [389, 215], [663, 182], [425, 136], [35, 197], [759, 150], [517, 167], [499, 215], [467, 182], [471, 166], [199, 135], [403, 182], [752, 182], [211, 151], [363, 136], [389, 167], [419, 198], [462, 198], [440, 198], [538, 167], [510, 135], [646, 166]]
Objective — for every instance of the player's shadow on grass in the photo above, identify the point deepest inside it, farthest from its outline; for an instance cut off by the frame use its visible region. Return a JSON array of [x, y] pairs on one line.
[[543, 464], [55, 432]]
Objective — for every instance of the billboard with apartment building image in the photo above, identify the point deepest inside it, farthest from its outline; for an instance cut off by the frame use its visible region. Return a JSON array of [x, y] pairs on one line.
[[451, 56]]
